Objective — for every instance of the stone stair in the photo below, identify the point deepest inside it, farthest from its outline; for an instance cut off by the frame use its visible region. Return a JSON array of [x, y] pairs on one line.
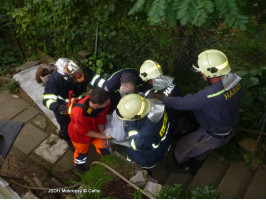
[[232, 181]]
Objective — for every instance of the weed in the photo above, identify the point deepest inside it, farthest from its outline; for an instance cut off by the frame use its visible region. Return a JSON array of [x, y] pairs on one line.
[[174, 192], [207, 192], [12, 86], [137, 194], [177, 192]]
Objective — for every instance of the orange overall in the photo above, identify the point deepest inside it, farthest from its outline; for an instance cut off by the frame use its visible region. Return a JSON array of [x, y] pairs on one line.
[[82, 121]]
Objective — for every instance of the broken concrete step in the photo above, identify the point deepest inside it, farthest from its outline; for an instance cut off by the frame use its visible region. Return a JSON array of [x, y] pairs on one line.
[[257, 188], [235, 182], [211, 172]]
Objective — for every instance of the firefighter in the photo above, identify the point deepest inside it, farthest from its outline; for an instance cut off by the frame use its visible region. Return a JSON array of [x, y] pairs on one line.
[[88, 117], [151, 72], [216, 110], [113, 83], [114, 126], [148, 128], [66, 82]]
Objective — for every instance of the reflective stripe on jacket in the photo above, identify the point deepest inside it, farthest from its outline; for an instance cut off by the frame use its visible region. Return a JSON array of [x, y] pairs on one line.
[[149, 142]]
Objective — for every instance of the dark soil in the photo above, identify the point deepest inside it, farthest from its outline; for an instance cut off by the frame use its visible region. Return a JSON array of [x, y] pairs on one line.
[[118, 189]]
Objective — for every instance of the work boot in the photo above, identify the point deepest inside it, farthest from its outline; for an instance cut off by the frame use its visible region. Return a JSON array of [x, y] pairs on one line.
[[194, 166], [81, 169]]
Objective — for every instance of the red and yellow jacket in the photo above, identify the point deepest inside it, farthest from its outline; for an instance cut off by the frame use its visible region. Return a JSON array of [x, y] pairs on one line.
[[84, 119]]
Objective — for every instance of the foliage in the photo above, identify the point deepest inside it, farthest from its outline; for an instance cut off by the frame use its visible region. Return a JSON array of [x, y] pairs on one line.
[[207, 192], [62, 28], [137, 194], [99, 175], [177, 192], [193, 12], [253, 95], [12, 86], [8, 58], [174, 192], [100, 63], [121, 166], [231, 150]]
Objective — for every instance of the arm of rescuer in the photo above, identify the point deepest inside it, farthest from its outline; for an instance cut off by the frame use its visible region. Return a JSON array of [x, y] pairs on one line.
[[51, 95], [101, 119], [188, 102], [95, 134]]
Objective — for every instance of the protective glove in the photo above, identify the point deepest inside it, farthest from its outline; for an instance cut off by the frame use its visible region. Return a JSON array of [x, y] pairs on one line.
[[62, 109], [158, 96]]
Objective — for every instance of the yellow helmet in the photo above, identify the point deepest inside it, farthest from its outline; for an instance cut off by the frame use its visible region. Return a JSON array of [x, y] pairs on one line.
[[133, 107], [213, 63], [150, 70]]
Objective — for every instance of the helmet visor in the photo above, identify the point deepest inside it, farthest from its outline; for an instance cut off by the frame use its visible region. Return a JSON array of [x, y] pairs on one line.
[[76, 74], [195, 66]]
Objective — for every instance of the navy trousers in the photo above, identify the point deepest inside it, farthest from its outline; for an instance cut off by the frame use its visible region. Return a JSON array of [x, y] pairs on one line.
[[198, 145]]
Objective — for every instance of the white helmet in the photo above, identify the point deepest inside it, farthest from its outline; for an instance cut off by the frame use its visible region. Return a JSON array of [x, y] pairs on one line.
[[150, 70], [133, 107], [212, 63], [68, 68]]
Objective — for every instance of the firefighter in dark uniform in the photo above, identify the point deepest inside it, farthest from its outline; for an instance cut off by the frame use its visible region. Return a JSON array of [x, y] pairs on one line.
[[67, 82], [216, 110], [148, 128], [113, 82], [151, 72]]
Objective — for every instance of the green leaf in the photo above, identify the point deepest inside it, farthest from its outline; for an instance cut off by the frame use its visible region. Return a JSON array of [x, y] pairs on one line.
[[138, 6], [99, 63], [247, 99], [253, 81], [241, 73], [112, 7]]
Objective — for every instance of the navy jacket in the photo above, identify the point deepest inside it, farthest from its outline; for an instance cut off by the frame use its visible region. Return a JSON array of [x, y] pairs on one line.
[[113, 82], [172, 91], [216, 110], [149, 142], [57, 90]]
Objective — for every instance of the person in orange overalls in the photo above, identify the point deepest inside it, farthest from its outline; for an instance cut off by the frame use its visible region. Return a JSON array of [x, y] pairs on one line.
[[88, 117]]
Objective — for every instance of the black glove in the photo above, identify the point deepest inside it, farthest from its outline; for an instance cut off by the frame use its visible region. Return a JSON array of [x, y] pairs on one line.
[[62, 109], [158, 96]]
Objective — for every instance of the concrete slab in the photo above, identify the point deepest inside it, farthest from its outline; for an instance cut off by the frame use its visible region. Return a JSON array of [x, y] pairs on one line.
[[211, 172], [10, 107], [235, 182], [65, 163], [28, 65], [40, 121], [52, 148], [26, 115], [29, 137], [26, 79], [257, 188]]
